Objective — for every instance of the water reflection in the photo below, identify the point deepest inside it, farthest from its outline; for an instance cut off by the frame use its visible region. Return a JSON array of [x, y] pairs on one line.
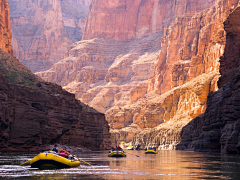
[[137, 165]]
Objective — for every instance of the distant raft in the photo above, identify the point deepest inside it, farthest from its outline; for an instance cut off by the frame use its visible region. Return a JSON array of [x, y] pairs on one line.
[[150, 152], [117, 154], [50, 160]]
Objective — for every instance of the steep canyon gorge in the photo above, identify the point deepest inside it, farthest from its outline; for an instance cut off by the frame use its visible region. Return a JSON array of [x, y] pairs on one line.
[[150, 75], [35, 113], [152, 66]]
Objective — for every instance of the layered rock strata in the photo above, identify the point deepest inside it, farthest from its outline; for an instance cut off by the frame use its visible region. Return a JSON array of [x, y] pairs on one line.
[[5, 27], [114, 72], [191, 49], [217, 130], [134, 19], [175, 108], [105, 72], [176, 83], [34, 113], [42, 30]]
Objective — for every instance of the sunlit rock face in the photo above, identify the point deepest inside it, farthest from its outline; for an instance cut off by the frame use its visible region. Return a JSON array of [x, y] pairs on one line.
[[191, 47], [105, 72], [5, 27], [108, 72], [186, 57], [131, 19], [217, 130], [43, 29], [137, 85], [172, 111]]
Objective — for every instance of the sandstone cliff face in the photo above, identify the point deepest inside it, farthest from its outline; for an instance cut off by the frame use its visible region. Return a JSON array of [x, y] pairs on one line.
[[43, 29], [109, 74], [5, 27], [35, 113], [191, 46], [218, 128], [177, 80], [106, 73], [162, 117], [191, 49], [131, 19]]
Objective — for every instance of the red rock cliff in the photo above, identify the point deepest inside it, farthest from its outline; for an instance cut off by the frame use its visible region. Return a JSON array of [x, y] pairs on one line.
[[131, 19], [42, 30], [106, 72], [111, 75], [5, 27], [217, 130], [191, 46], [191, 50]]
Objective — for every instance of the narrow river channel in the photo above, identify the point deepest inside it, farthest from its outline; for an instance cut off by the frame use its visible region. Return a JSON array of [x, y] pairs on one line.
[[137, 165]]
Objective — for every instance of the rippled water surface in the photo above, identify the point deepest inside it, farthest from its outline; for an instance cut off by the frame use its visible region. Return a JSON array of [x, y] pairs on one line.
[[137, 165]]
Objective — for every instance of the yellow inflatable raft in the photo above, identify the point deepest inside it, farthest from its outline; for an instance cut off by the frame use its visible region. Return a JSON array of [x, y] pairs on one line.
[[50, 160], [117, 154], [150, 152]]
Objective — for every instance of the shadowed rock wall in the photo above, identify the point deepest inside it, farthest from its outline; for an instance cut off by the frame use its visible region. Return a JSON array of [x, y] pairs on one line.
[[34, 113], [217, 130]]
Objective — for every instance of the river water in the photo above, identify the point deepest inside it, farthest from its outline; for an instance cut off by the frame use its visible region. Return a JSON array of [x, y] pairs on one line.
[[137, 165]]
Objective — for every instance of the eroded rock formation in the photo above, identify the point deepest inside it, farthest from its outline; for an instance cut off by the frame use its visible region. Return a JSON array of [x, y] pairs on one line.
[[43, 29], [111, 73], [191, 47], [105, 72], [217, 130], [137, 86], [5, 27], [34, 113], [210, 47], [134, 19]]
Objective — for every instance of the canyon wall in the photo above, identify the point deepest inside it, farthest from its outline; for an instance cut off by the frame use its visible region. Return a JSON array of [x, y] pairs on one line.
[[148, 95], [134, 19], [198, 55], [34, 113], [74, 17], [191, 48], [5, 27], [43, 29], [103, 72], [110, 73], [217, 130]]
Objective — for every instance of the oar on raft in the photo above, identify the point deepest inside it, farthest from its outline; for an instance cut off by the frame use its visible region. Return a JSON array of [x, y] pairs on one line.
[[77, 158], [25, 162]]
